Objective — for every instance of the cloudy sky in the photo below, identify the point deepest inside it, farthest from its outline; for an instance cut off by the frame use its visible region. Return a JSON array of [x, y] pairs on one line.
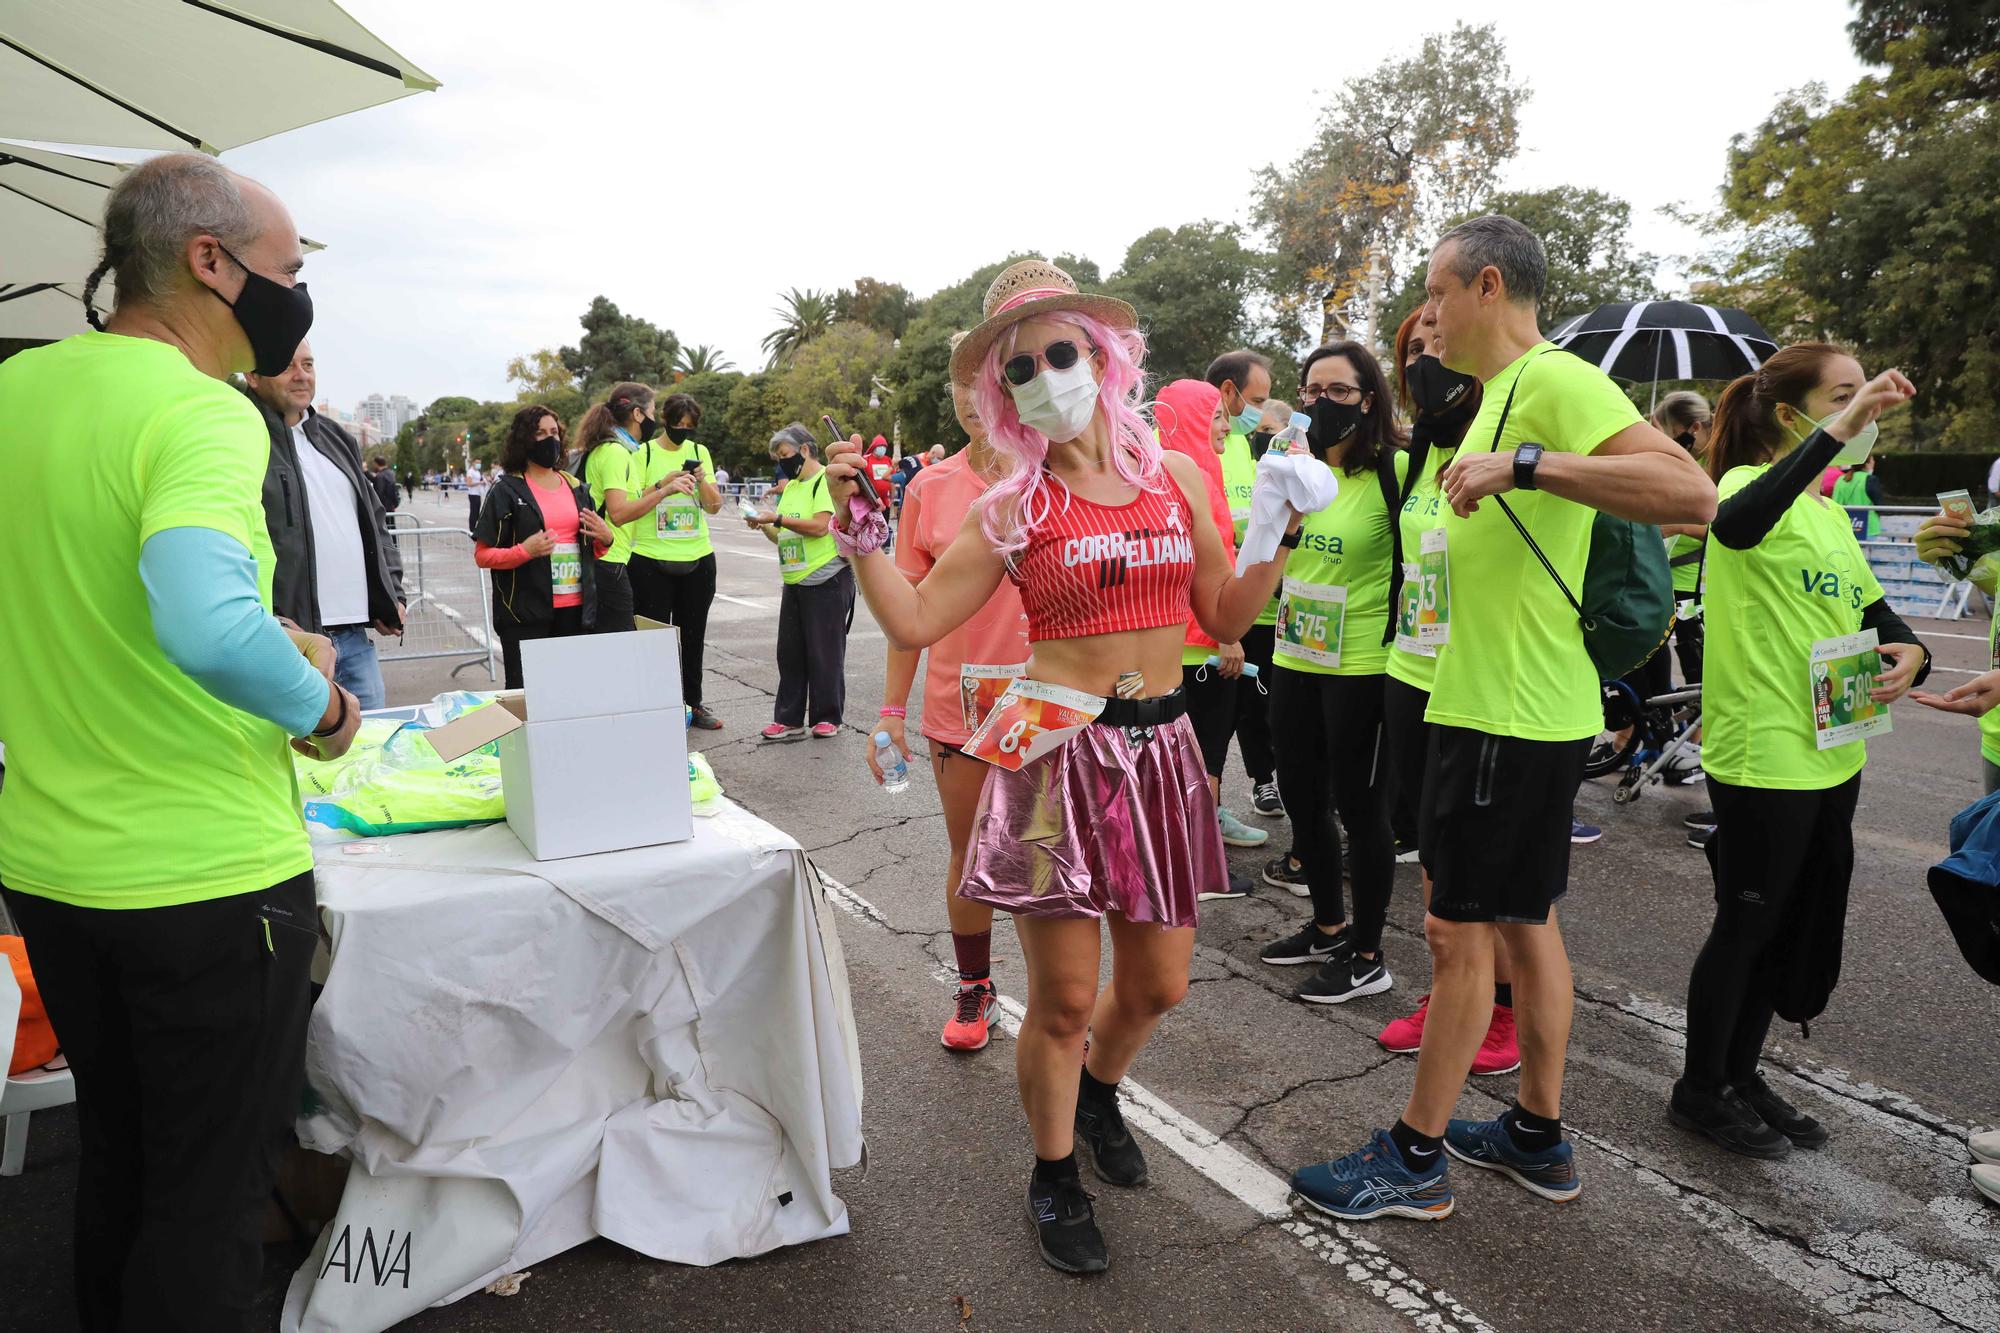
[[691, 160]]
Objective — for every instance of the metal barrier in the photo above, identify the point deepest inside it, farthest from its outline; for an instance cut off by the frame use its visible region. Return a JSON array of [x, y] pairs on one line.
[[448, 614]]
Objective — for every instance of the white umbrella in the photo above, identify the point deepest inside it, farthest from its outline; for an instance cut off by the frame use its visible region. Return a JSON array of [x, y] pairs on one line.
[[50, 205], [180, 74]]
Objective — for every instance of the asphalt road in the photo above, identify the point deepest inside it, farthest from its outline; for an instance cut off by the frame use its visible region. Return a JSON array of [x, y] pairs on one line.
[[1878, 1230]]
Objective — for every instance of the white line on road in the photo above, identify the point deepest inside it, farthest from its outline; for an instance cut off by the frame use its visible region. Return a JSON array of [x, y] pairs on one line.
[[741, 601], [1360, 1261]]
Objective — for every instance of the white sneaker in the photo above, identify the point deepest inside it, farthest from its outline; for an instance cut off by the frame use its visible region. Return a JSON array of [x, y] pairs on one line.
[[1985, 1147], [1986, 1179]]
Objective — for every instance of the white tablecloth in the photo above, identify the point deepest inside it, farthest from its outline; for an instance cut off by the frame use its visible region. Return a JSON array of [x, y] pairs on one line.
[[654, 1046]]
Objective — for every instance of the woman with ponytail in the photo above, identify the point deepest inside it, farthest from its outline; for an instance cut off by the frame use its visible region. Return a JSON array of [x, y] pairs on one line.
[[1785, 579], [609, 441], [1107, 822]]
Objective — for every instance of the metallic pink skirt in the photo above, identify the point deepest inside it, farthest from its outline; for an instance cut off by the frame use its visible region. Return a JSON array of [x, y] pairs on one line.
[[1116, 820]]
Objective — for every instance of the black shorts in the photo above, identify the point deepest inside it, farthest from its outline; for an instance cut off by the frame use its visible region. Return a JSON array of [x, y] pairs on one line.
[[1494, 825]]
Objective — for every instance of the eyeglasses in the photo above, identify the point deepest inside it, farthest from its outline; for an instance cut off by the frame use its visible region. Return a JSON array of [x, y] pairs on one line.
[[1060, 355], [1340, 393]]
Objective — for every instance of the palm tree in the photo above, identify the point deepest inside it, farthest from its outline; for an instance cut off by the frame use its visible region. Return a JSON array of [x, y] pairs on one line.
[[806, 315], [701, 359]]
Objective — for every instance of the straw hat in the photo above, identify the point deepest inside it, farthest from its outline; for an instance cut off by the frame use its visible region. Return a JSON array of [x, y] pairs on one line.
[[1022, 291]]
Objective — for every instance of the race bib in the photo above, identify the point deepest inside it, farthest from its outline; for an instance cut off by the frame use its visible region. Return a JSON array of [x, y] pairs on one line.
[[1433, 615], [1310, 619], [1406, 613], [980, 688], [792, 554], [1842, 672], [1032, 718], [678, 517], [566, 570]]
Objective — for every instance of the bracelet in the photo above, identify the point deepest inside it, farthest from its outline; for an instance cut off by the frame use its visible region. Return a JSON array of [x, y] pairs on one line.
[[891, 710], [339, 721]]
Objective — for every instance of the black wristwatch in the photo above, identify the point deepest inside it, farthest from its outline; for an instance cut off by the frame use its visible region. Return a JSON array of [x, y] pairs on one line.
[[1525, 459], [1290, 540]]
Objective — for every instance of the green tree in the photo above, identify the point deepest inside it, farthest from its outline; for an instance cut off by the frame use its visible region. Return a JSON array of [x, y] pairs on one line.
[[1586, 236], [701, 359], [450, 407], [540, 374], [1419, 140], [616, 347], [834, 374], [1873, 219], [712, 389], [1189, 285], [805, 315], [1957, 33], [752, 414], [884, 306]]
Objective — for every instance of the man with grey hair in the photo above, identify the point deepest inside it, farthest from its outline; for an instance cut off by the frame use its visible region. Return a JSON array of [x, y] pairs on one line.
[[1513, 709], [151, 847]]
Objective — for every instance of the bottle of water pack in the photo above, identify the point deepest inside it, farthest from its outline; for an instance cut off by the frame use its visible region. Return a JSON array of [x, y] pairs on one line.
[[895, 769]]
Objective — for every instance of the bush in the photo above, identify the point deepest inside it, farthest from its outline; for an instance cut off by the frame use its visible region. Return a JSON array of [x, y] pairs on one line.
[[1917, 478]]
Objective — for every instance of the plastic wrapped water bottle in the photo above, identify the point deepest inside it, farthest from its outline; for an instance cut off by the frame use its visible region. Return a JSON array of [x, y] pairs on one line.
[[895, 769]]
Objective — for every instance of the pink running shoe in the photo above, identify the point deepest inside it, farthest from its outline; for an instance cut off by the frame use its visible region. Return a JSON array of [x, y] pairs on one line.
[[778, 731], [1500, 1053], [971, 1022], [1404, 1035], [825, 731]]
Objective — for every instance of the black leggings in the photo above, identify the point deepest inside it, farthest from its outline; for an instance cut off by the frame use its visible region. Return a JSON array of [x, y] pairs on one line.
[[1406, 742], [1768, 847], [567, 620], [1253, 706], [680, 600], [1328, 732], [614, 599], [1211, 706]]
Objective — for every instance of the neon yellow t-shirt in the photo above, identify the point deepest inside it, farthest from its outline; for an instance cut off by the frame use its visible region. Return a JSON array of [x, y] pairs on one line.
[[1989, 724], [1686, 577], [799, 557], [1516, 664], [1334, 599], [1239, 478], [678, 529], [128, 785], [1766, 607], [1421, 512], [610, 466]]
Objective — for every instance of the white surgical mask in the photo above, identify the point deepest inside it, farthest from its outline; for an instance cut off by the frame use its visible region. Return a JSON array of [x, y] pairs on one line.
[[1855, 451], [1058, 403]]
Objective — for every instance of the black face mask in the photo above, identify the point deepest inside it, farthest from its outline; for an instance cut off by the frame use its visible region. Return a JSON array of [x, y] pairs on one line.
[[1685, 440], [544, 453], [1260, 440], [274, 317], [1440, 393], [1332, 424], [790, 467], [679, 435], [648, 428]]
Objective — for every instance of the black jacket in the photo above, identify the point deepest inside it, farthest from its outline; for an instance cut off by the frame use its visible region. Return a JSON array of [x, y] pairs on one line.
[[294, 591], [525, 594], [384, 483]]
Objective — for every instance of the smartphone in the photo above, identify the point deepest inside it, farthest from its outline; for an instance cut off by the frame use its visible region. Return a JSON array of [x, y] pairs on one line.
[[862, 486], [692, 465]]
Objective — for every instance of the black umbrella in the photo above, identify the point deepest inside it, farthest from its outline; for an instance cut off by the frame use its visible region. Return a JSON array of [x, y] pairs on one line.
[[1667, 340]]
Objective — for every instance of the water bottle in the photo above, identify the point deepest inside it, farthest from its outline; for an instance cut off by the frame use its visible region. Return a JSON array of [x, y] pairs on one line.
[[1281, 443], [895, 769], [748, 510]]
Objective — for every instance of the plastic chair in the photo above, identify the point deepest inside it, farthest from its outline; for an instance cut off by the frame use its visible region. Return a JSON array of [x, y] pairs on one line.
[[37, 1090]]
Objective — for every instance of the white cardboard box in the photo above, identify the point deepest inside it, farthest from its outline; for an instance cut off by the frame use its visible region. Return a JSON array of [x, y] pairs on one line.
[[593, 753]]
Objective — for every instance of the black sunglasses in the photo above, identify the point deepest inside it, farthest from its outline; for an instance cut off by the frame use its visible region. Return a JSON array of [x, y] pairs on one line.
[[1058, 355]]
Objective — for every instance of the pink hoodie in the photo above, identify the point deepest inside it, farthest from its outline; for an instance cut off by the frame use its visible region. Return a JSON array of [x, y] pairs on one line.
[[1185, 409]]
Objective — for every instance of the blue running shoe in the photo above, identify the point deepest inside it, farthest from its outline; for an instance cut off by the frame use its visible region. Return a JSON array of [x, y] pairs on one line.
[[1486, 1143], [1374, 1182]]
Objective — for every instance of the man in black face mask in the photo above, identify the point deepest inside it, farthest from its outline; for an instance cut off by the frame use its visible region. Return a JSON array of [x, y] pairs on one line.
[[338, 572], [159, 868]]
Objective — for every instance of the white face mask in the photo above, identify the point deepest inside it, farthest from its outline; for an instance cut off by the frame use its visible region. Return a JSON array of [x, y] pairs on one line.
[[1058, 403], [1853, 453]]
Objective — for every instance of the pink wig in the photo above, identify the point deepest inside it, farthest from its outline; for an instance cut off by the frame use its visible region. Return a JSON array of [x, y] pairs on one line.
[[1014, 505]]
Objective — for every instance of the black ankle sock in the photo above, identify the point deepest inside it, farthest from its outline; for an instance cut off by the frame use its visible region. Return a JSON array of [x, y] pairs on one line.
[[1420, 1151], [1503, 993], [1062, 1168], [1531, 1132], [1096, 1092]]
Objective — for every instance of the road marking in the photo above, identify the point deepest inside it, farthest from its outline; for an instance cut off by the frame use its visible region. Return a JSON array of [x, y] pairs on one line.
[[742, 601], [1359, 1260], [1945, 634]]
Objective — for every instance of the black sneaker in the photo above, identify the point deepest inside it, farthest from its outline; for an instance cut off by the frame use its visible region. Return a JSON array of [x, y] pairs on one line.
[[1406, 853], [1066, 1226], [1728, 1119], [1282, 872], [1698, 837], [1700, 819], [1265, 801], [1307, 944], [1781, 1115], [1239, 887], [1339, 980], [1113, 1151]]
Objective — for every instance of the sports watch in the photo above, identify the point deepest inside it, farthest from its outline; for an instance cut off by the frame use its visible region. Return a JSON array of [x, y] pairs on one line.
[[1525, 459]]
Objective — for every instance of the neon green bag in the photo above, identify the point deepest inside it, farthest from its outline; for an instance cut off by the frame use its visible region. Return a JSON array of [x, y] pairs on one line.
[[391, 781]]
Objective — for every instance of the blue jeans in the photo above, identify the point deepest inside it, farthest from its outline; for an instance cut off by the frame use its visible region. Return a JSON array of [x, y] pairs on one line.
[[355, 667]]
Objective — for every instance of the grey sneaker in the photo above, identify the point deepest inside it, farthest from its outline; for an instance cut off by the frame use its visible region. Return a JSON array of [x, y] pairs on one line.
[[1239, 834]]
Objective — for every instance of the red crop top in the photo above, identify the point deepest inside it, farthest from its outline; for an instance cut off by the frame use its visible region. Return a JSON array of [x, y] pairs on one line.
[[1098, 569]]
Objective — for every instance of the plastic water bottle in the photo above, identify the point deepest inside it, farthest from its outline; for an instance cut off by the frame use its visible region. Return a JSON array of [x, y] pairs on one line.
[[1281, 443], [748, 510], [895, 769]]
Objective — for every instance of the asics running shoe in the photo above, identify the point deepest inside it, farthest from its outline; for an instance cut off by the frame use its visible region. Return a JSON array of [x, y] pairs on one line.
[[1374, 1181], [1486, 1143]]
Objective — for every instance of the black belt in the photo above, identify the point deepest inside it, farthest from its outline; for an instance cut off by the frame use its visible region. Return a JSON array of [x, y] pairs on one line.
[[1154, 712]]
